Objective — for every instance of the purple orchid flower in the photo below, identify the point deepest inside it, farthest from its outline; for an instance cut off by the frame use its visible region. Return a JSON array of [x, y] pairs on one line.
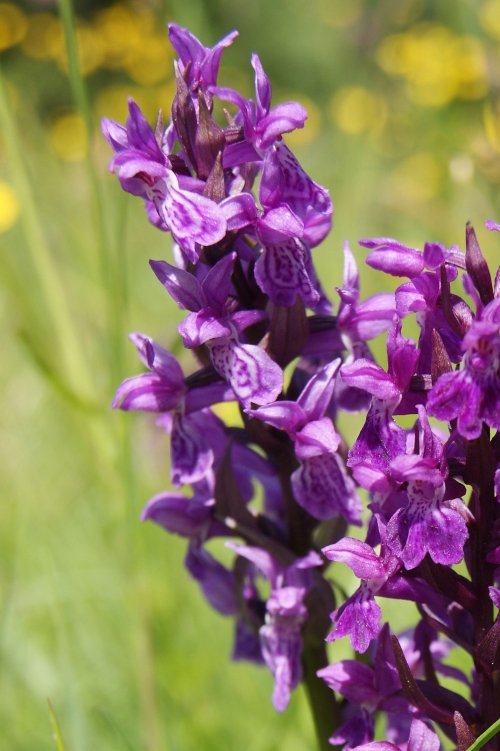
[[396, 259], [321, 485], [370, 690], [359, 616], [199, 62], [356, 323], [422, 296], [381, 439], [145, 171], [261, 124], [253, 376], [472, 394], [280, 637], [183, 409]]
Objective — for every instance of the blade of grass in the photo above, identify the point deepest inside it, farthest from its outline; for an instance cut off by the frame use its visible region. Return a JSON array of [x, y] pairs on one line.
[[55, 727], [485, 737], [51, 286], [112, 268]]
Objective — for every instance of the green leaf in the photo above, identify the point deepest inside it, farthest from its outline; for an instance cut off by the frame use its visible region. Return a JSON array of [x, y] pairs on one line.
[[485, 737], [55, 727]]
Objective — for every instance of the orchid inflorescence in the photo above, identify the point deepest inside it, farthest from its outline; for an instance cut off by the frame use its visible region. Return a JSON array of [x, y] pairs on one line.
[[244, 273]]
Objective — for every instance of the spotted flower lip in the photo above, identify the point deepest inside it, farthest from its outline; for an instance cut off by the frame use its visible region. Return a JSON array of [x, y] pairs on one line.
[[145, 171]]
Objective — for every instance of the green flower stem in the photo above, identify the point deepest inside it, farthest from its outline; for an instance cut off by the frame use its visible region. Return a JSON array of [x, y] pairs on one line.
[[485, 737], [324, 709]]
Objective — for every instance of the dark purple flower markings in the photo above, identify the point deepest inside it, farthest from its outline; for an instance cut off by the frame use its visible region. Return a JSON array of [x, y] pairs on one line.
[[285, 485]]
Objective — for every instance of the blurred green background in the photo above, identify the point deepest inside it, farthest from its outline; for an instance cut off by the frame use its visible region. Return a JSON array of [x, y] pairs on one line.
[[96, 611]]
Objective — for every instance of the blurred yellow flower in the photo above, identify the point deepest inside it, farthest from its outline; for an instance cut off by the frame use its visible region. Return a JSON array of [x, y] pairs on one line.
[[355, 110], [68, 137], [151, 63], [44, 36], [436, 64], [489, 18], [90, 49], [491, 117], [120, 35], [417, 179], [13, 25], [339, 13], [10, 208]]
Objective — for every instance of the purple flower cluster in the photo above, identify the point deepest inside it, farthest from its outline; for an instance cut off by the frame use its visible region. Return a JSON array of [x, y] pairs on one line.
[[243, 270]]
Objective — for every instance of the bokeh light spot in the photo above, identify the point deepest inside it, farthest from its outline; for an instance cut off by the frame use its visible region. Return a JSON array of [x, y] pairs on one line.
[[44, 36], [461, 168], [354, 109], [10, 207], [417, 179], [68, 137], [13, 25], [489, 18]]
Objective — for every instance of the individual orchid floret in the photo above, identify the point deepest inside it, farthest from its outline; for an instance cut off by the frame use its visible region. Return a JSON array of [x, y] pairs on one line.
[[280, 637], [284, 267], [251, 373], [422, 296], [261, 124], [285, 183], [426, 524], [184, 415], [321, 484], [359, 616], [145, 171], [472, 394], [371, 690], [381, 439], [187, 517], [397, 259], [200, 64]]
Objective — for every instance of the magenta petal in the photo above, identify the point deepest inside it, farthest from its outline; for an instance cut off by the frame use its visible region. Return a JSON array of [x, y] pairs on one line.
[[358, 618], [283, 415], [367, 375], [239, 211], [192, 457], [322, 486], [277, 225], [422, 737], [177, 514], [200, 327], [359, 556], [282, 649], [191, 218], [182, 286], [397, 262], [318, 392], [316, 438], [217, 283], [281, 272], [252, 374], [352, 680]]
